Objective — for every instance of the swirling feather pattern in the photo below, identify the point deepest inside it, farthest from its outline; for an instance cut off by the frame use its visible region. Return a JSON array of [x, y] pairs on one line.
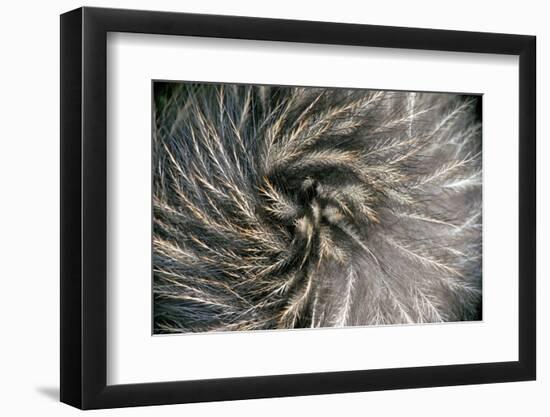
[[291, 207]]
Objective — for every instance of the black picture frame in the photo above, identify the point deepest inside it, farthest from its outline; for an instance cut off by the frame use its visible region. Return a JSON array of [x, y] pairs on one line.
[[84, 207]]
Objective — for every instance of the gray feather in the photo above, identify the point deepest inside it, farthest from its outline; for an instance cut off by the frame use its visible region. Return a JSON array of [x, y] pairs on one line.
[[282, 207]]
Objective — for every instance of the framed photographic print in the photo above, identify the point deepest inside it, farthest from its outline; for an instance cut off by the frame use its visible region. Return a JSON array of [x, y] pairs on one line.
[[256, 208]]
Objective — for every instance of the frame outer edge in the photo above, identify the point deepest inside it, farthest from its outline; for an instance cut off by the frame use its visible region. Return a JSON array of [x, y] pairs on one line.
[[70, 208], [528, 207], [94, 209]]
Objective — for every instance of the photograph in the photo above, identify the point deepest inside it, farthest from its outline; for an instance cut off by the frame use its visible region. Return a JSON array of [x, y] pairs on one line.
[[257, 205], [289, 207]]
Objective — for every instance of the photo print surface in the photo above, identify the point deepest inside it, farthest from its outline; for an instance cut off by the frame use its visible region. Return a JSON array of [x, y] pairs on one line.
[[279, 207]]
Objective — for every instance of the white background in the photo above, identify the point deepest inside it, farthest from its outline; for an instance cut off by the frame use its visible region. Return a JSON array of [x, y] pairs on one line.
[[133, 60], [29, 175]]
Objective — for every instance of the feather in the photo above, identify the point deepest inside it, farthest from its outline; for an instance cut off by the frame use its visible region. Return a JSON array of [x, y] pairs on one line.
[[290, 207]]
